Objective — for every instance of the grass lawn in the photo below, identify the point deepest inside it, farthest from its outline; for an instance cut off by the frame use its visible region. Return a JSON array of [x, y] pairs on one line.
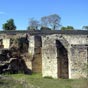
[[36, 81]]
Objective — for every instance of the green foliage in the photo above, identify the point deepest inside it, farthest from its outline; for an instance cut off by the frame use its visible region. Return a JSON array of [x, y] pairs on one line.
[[67, 28], [70, 27], [63, 28], [8, 82], [9, 25], [85, 27]]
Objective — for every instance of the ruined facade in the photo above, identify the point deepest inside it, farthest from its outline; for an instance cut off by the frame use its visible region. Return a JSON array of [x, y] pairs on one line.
[[57, 54]]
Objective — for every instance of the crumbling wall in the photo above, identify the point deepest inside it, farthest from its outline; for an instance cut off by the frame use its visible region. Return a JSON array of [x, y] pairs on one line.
[[30, 51], [76, 39], [12, 64], [49, 54], [45, 57], [78, 61], [6, 43], [18, 46], [49, 57], [31, 46]]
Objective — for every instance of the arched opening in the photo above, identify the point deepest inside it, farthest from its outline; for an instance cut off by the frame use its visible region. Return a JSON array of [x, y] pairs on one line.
[[37, 58], [62, 58]]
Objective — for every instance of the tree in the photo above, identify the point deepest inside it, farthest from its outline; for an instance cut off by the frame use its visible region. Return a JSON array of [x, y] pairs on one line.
[[33, 24], [85, 27], [54, 21], [70, 27], [67, 28], [63, 28], [9, 25], [44, 21], [51, 21]]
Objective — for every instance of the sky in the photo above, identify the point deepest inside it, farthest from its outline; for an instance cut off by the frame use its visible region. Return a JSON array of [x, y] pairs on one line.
[[72, 12]]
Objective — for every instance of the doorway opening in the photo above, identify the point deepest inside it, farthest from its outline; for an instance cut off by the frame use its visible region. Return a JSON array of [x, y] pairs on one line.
[[62, 58], [37, 58]]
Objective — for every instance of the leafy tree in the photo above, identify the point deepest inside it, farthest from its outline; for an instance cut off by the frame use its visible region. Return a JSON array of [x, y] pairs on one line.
[[70, 27], [33, 24], [67, 28], [9, 25], [63, 28], [51, 21], [85, 27]]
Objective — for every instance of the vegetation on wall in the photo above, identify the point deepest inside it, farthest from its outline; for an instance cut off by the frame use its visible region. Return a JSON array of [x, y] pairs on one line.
[[50, 22], [85, 27], [67, 28], [9, 25]]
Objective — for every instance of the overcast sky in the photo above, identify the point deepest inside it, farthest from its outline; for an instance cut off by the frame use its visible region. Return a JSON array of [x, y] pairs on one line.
[[72, 12]]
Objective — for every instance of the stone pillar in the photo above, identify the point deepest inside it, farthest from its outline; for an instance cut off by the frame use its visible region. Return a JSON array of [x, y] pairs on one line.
[[49, 57], [31, 45], [30, 51], [69, 61], [29, 64], [78, 62], [6, 43]]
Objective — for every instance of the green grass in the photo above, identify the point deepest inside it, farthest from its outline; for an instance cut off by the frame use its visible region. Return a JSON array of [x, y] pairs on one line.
[[36, 81], [8, 82]]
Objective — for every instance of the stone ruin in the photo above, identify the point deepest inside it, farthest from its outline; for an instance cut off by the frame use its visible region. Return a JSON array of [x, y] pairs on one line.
[[11, 59], [54, 53]]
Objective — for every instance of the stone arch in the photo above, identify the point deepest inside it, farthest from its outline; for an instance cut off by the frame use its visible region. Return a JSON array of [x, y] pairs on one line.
[[50, 53], [62, 58]]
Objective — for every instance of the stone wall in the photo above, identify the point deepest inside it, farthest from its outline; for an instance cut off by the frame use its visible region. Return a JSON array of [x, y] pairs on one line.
[[76, 39], [37, 61], [31, 46], [45, 56], [6, 43], [49, 55], [78, 61]]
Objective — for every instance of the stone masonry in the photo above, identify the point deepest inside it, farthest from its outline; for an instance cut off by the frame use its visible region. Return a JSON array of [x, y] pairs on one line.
[[57, 54]]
